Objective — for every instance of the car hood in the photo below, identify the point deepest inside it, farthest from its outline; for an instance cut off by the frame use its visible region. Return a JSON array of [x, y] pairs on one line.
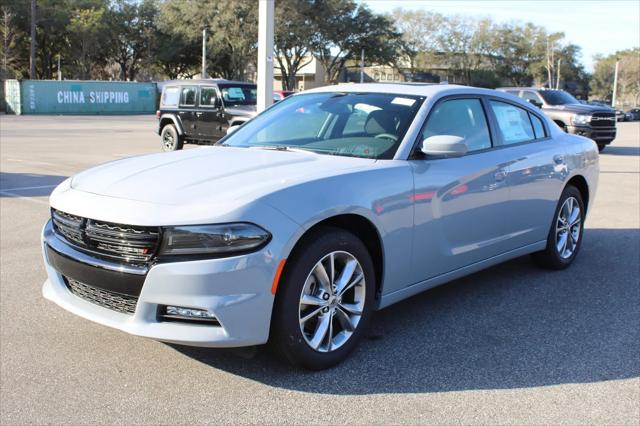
[[579, 108], [246, 110], [221, 174]]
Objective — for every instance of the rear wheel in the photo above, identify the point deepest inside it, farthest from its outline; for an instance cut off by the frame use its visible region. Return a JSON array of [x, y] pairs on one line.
[[170, 139], [324, 300], [565, 235]]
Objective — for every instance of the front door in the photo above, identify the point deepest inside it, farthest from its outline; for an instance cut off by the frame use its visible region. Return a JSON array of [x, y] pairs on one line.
[[459, 203]]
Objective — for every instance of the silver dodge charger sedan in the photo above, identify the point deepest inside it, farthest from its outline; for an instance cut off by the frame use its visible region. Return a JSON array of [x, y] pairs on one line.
[[324, 208]]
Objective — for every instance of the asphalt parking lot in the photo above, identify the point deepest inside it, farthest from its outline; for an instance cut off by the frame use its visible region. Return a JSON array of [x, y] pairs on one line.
[[512, 344]]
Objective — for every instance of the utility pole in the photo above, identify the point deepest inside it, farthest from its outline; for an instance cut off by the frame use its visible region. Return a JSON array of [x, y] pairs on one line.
[[32, 57], [59, 69], [265, 54], [204, 53], [615, 84], [362, 66]]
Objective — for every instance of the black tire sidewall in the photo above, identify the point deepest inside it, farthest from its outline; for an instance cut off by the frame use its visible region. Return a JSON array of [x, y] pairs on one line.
[[286, 331], [177, 141]]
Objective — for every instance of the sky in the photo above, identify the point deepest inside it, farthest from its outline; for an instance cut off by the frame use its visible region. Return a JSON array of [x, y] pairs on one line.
[[598, 27]]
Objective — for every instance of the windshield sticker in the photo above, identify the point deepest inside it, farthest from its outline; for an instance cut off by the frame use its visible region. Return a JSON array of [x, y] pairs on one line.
[[403, 101]]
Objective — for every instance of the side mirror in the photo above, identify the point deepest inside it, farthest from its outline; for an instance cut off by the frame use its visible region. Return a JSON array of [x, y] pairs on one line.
[[232, 129], [535, 103], [444, 146]]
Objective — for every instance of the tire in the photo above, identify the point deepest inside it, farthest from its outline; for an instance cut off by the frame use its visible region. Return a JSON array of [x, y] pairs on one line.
[[170, 139], [296, 326], [553, 257], [601, 147]]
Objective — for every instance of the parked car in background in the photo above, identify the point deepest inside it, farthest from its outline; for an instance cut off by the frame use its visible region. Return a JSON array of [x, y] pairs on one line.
[[620, 116], [279, 95], [201, 111], [595, 122], [329, 205], [633, 114]]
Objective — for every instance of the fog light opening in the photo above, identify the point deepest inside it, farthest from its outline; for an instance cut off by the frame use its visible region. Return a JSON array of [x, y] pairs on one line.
[[180, 313]]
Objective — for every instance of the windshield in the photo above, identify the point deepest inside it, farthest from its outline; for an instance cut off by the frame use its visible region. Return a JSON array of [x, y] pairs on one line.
[[557, 97], [368, 125], [239, 94]]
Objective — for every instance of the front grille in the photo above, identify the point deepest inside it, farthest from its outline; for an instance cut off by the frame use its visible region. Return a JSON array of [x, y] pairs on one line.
[[131, 244], [122, 303], [603, 119]]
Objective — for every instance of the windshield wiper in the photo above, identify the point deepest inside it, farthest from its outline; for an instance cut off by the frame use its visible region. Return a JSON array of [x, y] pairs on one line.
[[283, 148]]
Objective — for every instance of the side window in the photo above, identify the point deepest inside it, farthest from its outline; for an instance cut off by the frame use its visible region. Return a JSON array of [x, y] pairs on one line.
[[538, 127], [208, 97], [460, 117], [188, 96], [170, 96], [513, 123]]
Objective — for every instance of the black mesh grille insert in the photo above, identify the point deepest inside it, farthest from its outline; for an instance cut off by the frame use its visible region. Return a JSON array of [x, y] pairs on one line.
[[603, 119], [107, 299]]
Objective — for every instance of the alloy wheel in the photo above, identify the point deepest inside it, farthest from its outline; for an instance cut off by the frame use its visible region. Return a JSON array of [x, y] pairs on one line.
[[332, 301], [568, 227]]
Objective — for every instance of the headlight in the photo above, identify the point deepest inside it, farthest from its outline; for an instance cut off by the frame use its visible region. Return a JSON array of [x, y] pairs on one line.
[[212, 239], [581, 119]]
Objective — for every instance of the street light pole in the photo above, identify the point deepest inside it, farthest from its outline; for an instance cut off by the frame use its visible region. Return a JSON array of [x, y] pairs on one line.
[[615, 84], [59, 70], [362, 66], [265, 54], [204, 53]]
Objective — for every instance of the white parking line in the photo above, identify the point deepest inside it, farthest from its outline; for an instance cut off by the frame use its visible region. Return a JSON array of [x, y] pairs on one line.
[[26, 188], [32, 199]]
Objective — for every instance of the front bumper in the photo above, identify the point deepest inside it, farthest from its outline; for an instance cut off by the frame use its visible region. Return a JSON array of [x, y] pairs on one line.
[[237, 290], [602, 136]]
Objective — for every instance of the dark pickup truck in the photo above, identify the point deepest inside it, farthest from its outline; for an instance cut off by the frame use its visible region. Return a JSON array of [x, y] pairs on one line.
[[592, 121], [201, 111]]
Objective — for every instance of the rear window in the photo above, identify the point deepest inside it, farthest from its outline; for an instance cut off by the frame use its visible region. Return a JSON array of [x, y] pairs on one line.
[[170, 96]]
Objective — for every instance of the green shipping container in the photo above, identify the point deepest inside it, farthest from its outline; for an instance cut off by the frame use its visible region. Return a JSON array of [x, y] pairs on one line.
[[87, 97]]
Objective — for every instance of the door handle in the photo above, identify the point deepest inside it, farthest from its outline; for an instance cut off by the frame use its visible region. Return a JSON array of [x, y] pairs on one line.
[[500, 175], [558, 159]]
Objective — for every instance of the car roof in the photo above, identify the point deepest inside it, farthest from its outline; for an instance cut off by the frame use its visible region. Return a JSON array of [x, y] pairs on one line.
[[416, 89], [205, 81]]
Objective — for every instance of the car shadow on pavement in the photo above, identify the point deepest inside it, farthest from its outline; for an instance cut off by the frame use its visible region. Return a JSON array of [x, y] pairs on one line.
[[28, 184], [511, 326], [621, 150]]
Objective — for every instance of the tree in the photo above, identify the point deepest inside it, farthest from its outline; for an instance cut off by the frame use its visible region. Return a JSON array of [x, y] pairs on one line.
[[232, 26], [345, 29], [295, 26], [420, 31], [85, 29], [9, 35], [132, 28], [628, 76]]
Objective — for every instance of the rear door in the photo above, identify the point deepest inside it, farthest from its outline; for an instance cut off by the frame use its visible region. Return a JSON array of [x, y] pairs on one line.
[[536, 171], [187, 110], [209, 114]]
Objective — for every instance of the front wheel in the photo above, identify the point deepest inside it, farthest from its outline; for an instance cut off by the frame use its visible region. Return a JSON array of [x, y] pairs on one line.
[[324, 300], [170, 139], [565, 235]]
